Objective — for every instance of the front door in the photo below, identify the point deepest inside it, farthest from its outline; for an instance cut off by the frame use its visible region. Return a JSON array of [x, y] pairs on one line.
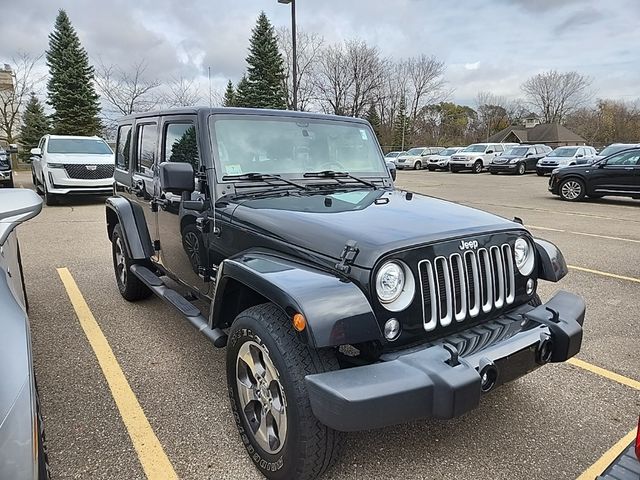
[[618, 175], [181, 241]]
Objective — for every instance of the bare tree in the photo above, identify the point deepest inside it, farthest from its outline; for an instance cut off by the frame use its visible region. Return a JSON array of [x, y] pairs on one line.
[[555, 95], [127, 90], [24, 79], [182, 92], [426, 84], [308, 48], [348, 77]]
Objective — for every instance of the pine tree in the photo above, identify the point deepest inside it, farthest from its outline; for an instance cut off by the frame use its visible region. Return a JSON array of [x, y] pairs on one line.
[[229, 96], [265, 71], [374, 119], [401, 127], [243, 96], [35, 124], [70, 86]]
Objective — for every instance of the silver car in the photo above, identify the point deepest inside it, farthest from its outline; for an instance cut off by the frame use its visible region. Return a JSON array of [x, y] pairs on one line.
[[22, 449]]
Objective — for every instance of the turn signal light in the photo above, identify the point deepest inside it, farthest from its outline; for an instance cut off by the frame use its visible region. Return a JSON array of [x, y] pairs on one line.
[[299, 322]]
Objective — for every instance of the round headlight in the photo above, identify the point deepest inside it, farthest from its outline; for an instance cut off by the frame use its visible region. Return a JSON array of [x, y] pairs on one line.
[[524, 256], [389, 282]]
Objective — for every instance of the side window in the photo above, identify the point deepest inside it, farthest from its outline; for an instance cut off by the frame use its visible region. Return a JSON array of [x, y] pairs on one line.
[[41, 144], [626, 159], [180, 144], [497, 148], [146, 148], [123, 144]]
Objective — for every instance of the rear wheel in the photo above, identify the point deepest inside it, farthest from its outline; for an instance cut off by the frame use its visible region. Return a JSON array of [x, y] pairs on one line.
[[571, 189], [417, 165], [522, 168], [130, 286], [477, 167], [266, 368]]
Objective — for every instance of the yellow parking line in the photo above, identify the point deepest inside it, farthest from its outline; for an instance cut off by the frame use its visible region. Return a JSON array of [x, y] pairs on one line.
[[609, 456], [616, 377], [607, 237], [606, 274], [154, 461]]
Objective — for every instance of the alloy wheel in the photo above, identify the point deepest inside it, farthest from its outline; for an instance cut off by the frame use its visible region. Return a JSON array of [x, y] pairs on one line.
[[571, 189], [192, 246], [262, 399], [121, 264]]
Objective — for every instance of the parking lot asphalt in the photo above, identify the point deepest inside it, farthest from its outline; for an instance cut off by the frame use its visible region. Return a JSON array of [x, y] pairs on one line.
[[554, 423]]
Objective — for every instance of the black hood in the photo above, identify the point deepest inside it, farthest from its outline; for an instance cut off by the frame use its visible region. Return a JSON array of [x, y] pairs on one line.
[[381, 221]]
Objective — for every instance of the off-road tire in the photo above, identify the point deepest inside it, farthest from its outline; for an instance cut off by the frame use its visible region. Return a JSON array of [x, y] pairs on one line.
[[477, 166], [578, 184], [310, 447], [132, 288], [521, 169], [417, 165]]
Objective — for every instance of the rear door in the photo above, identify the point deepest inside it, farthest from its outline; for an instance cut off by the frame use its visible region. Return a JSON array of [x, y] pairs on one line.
[[143, 187], [619, 175]]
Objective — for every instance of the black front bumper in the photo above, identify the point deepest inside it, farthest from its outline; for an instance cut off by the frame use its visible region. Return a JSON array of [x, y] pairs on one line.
[[503, 167], [428, 382]]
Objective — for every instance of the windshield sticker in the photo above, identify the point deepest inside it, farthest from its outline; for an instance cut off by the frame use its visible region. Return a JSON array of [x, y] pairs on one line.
[[363, 134], [234, 169]]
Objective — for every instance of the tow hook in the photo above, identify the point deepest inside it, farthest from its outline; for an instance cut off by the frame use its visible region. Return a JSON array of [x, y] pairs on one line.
[[488, 375]]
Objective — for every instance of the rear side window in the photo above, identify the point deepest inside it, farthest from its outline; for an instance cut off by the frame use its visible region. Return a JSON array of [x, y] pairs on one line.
[[123, 147], [146, 151], [497, 148], [180, 145]]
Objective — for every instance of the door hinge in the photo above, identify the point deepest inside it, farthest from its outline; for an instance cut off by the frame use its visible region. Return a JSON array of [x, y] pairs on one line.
[[347, 257], [156, 245]]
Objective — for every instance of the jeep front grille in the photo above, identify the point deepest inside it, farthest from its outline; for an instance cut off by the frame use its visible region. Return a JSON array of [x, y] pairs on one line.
[[89, 172], [464, 285]]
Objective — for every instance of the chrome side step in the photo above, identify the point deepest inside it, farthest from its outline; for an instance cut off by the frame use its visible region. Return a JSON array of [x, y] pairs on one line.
[[216, 335]]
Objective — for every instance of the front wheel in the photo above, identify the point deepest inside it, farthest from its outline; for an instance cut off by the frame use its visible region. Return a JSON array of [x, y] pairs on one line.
[[522, 168], [266, 368], [417, 165], [477, 167], [572, 190]]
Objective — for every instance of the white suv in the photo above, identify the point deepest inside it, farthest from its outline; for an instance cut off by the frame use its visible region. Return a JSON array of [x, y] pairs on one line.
[[67, 165], [565, 157], [476, 156], [416, 158]]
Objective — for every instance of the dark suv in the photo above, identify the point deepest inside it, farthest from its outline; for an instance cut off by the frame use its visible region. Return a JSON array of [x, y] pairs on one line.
[[519, 160], [344, 303], [6, 175], [615, 175]]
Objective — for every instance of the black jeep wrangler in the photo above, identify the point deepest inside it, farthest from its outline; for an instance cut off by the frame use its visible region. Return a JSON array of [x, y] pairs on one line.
[[344, 303]]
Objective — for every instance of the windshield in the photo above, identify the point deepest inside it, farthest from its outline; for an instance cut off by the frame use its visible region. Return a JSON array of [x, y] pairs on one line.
[[517, 151], [392, 154], [415, 151], [448, 152], [611, 149], [293, 146], [563, 152], [91, 146], [475, 148]]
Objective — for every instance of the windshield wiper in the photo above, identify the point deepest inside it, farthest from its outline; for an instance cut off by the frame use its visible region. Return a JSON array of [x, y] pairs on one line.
[[337, 175], [263, 177]]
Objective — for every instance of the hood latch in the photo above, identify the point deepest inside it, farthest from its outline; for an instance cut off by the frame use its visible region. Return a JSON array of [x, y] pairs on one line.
[[348, 255]]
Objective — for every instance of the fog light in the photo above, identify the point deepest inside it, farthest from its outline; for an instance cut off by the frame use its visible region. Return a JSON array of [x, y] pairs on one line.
[[488, 377], [392, 329], [531, 284]]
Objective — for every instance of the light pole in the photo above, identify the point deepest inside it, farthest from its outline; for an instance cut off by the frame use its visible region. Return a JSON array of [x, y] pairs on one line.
[[293, 49]]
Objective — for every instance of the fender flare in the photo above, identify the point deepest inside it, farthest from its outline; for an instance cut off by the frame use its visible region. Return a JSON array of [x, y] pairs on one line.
[[551, 263], [133, 224], [337, 311]]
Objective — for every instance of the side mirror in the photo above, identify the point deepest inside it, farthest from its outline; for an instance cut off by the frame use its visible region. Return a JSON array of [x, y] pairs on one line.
[[177, 177], [36, 151], [489, 151], [529, 155]]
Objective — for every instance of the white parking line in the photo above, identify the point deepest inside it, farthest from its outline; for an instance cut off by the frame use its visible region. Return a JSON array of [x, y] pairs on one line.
[[607, 237]]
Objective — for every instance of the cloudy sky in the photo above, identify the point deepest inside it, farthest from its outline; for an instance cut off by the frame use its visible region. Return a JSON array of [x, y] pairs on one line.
[[491, 45]]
